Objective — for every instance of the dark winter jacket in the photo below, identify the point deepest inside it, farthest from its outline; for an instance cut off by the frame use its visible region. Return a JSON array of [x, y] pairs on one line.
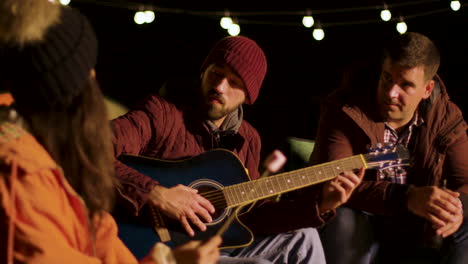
[[350, 124], [160, 129]]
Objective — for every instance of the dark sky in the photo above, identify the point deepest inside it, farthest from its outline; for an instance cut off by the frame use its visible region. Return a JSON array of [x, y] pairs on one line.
[[135, 59]]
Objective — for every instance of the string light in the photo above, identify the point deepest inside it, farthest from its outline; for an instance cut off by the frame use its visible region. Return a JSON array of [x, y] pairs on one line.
[[318, 34], [149, 16], [455, 5], [308, 20], [234, 30], [401, 26], [140, 17], [385, 14], [226, 22]]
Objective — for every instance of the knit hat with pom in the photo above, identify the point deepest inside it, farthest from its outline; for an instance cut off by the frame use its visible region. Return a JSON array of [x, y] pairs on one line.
[[47, 67]]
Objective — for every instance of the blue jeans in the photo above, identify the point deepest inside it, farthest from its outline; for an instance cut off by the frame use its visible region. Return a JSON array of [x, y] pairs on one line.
[[355, 237], [295, 247]]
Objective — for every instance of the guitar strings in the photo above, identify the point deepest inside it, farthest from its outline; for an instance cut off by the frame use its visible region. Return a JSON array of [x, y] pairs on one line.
[[217, 198]]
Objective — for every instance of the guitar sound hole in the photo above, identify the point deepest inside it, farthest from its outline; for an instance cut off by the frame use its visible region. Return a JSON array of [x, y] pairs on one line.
[[216, 197]]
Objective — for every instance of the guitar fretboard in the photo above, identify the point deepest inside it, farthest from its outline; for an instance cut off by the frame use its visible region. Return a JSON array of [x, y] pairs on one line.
[[251, 191]]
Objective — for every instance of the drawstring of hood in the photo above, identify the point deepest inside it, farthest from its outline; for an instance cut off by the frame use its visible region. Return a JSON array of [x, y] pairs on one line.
[[11, 223], [228, 128], [8, 114]]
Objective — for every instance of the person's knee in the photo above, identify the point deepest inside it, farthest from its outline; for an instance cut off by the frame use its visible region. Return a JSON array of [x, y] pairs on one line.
[[231, 260], [306, 237], [461, 235], [307, 246], [348, 223]]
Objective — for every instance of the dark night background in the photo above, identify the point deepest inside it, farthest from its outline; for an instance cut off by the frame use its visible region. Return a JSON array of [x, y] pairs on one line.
[[135, 60]]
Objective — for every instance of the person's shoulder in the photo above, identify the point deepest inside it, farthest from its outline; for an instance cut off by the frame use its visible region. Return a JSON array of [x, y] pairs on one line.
[[247, 130], [153, 103], [18, 145]]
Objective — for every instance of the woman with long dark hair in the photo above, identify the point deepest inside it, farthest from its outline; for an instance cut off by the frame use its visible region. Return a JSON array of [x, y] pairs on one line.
[[56, 159]]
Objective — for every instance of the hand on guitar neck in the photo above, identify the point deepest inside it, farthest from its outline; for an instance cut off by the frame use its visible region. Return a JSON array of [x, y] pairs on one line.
[[184, 204], [337, 191]]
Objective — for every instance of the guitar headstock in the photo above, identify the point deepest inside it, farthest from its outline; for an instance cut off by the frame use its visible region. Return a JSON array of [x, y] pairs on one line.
[[387, 157]]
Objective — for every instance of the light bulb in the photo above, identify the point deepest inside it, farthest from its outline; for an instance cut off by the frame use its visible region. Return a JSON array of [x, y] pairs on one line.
[[140, 17], [234, 30], [401, 27], [455, 5], [318, 34], [226, 22], [65, 2], [385, 15], [308, 21], [149, 16]]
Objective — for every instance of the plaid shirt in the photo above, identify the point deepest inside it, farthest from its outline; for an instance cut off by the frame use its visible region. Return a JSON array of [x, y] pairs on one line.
[[398, 174]]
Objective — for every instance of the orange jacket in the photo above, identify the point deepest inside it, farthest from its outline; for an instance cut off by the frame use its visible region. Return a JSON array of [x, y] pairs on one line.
[[42, 219], [6, 98]]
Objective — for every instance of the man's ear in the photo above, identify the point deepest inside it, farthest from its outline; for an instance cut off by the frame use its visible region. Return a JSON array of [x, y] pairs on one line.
[[428, 89]]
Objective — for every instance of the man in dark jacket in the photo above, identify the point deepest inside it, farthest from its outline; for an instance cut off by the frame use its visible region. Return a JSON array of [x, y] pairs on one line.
[[406, 215], [210, 116]]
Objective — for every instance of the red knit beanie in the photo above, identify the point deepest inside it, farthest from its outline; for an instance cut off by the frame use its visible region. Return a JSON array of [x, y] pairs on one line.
[[245, 58]]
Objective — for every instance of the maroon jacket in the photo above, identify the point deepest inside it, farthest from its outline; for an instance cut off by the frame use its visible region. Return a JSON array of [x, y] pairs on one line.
[[162, 130], [349, 125]]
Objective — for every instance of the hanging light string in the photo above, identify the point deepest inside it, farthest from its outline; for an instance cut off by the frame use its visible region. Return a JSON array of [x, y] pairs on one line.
[[218, 14], [145, 13], [137, 6]]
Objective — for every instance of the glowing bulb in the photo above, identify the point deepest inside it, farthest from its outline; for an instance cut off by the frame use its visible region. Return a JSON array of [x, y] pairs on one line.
[[226, 22], [234, 30], [65, 2], [308, 21], [140, 17], [401, 27], [455, 5], [385, 15], [318, 34], [149, 16]]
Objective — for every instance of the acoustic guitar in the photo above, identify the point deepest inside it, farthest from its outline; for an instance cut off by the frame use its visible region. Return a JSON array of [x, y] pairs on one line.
[[221, 178]]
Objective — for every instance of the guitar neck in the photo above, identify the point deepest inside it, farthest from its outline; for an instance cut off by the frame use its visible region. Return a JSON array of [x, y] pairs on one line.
[[252, 191]]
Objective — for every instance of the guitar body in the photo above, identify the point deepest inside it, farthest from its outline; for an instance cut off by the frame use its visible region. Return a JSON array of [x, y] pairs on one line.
[[207, 172]]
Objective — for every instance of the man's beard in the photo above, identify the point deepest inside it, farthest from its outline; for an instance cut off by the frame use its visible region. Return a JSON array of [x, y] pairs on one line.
[[214, 113]]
